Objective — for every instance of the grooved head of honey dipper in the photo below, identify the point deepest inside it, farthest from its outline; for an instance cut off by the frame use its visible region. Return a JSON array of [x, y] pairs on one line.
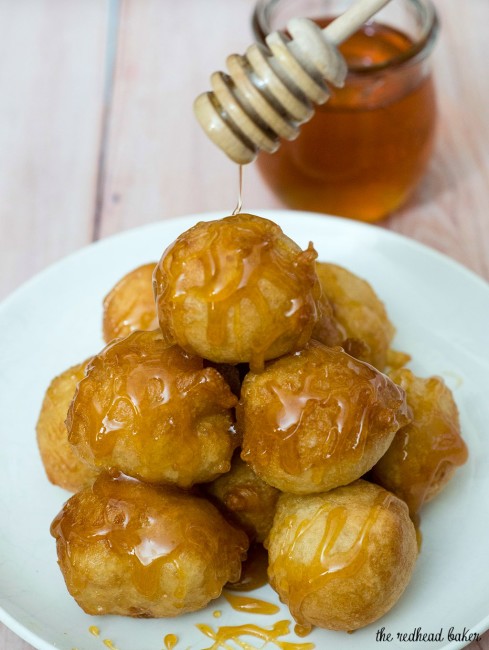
[[212, 119]]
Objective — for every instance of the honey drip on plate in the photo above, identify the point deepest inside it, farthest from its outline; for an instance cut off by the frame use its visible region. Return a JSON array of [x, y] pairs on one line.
[[109, 644], [235, 633], [250, 605], [254, 572], [332, 565], [302, 631], [170, 641], [93, 629]]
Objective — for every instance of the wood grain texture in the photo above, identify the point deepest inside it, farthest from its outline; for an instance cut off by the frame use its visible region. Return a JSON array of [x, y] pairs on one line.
[[450, 211], [159, 163], [78, 162], [51, 88]]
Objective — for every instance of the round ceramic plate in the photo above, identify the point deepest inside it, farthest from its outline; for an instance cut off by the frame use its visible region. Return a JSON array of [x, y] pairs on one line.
[[441, 312]]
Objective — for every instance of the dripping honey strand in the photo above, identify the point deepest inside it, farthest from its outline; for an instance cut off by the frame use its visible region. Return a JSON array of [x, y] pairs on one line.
[[239, 204]]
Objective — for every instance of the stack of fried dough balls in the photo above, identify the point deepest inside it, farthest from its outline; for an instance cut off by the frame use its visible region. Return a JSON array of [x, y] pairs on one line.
[[241, 398]]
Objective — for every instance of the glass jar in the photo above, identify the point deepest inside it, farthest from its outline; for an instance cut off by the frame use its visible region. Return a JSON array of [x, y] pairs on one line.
[[364, 151]]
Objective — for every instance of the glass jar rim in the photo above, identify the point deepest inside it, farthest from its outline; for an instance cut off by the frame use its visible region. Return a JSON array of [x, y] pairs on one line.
[[419, 49]]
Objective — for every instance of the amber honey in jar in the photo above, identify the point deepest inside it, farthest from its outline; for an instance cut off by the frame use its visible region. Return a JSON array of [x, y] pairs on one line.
[[365, 150]]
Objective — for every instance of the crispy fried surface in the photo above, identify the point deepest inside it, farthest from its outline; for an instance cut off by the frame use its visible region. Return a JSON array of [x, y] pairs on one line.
[[424, 454], [317, 419], [360, 313], [340, 560], [130, 305], [129, 548], [237, 290], [152, 411], [62, 465], [250, 500]]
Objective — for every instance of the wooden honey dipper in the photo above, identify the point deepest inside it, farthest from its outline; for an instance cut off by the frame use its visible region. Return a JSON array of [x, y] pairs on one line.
[[270, 92]]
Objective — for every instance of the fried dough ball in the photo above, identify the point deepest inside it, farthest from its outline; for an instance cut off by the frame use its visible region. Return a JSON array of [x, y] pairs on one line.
[[424, 454], [251, 501], [134, 549], [317, 419], [360, 313], [130, 305], [340, 560], [63, 467], [237, 290], [153, 412]]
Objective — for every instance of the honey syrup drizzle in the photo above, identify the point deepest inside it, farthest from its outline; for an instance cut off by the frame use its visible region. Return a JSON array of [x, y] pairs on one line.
[[231, 276], [146, 535], [149, 386], [351, 406], [270, 635], [335, 565], [250, 605], [146, 373]]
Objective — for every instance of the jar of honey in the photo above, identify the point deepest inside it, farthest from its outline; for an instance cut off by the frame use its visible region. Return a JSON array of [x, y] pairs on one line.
[[364, 151]]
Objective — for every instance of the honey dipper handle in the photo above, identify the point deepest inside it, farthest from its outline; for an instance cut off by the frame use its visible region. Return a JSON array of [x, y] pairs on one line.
[[353, 18]]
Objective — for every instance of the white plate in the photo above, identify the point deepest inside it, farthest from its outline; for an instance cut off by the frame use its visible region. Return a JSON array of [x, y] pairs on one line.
[[442, 314]]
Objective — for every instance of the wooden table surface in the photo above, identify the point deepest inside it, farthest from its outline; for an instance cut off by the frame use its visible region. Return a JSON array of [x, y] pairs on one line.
[[97, 133]]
